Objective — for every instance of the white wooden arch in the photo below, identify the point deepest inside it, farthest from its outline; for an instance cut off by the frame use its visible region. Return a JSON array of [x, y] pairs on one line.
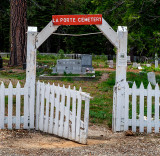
[[118, 39]]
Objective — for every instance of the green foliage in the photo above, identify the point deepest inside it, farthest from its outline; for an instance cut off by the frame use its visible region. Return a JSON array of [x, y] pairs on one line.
[[108, 85], [67, 79], [45, 57], [140, 16], [137, 78], [100, 108], [98, 73], [61, 54], [11, 74]]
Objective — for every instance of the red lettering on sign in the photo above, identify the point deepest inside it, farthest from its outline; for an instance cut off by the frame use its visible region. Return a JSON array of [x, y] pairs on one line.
[[77, 19]]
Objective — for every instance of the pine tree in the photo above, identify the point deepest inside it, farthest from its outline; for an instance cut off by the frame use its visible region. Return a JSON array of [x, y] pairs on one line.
[[18, 28]]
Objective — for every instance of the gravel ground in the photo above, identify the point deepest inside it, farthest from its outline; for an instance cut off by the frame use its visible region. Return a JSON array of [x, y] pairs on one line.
[[101, 141]]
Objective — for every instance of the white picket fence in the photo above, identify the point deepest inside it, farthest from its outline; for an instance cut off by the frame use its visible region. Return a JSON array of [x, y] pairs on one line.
[[15, 109], [142, 108], [59, 112]]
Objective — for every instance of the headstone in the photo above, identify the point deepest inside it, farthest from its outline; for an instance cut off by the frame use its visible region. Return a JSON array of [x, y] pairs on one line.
[[86, 60], [54, 70], [134, 65], [69, 66], [148, 65], [151, 78], [138, 65], [156, 61], [110, 63], [128, 59]]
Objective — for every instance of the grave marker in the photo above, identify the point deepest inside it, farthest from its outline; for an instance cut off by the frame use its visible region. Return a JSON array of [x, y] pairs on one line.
[[86, 60], [156, 61], [151, 78]]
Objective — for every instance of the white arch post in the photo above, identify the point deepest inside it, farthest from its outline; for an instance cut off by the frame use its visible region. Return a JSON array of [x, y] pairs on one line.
[[119, 40]]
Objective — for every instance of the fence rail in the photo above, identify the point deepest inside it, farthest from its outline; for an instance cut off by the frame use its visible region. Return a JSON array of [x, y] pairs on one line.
[[142, 108]]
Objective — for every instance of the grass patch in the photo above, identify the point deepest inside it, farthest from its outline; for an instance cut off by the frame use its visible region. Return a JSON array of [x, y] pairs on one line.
[[101, 104], [67, 79], [10, 74], [137, 78]]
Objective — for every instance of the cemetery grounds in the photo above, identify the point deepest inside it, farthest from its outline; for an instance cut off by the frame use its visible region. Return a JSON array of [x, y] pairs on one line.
[[101, 140]]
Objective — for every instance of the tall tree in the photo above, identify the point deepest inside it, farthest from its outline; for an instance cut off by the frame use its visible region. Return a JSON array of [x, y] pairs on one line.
[[18, 28]]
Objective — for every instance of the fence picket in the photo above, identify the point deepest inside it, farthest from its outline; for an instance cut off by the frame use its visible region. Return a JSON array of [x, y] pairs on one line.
[[134, 107], [119, 109], [84, 134], [61, 122], [2, 105], [10, 105], [41, 121], [67, 113], [74, 114], [26, 112], [57, 110], [47, 108], [157, 108], [32, 103], [52, 100], [18, 106], [78, 121], [141, 108], [126, 106], [37, 104], [149, 108]]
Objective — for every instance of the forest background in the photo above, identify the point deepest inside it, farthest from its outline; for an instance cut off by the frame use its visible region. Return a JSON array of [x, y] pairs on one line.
[[142, 17]]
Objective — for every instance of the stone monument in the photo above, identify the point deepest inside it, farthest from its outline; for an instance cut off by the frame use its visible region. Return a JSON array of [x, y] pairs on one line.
[[151, 78], [110, 63], [74, 66], [156, 61], [86, 60]]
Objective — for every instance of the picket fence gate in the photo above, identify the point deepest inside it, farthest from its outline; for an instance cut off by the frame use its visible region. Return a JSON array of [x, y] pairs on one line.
[[53, 110], [58, 111], [142, 108], [16, 109]]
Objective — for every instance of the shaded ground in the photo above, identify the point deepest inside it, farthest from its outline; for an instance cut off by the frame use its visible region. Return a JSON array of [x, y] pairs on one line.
[[101, 141]]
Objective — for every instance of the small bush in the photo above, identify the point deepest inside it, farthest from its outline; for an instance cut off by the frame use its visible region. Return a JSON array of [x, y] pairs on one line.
[[61, 54]]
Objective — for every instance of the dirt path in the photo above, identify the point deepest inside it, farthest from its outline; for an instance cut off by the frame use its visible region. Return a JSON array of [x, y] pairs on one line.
[[101, 141], [110, 69]]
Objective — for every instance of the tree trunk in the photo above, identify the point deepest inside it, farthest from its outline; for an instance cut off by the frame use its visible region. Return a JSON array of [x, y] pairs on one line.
[[18, 29]]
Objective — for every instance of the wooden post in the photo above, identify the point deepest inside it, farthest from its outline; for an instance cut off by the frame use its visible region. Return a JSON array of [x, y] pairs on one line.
[[119, 89], [31, 70]]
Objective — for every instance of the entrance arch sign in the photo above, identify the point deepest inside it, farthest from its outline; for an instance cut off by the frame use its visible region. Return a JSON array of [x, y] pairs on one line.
[[77, 19], [118, 39]]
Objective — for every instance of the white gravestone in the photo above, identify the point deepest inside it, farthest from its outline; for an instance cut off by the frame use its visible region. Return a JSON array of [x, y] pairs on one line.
[[86, 60], [148, 65], [69, 66], [151, 78], [134, 65], [156, 61], [128, 59], [110, 63]]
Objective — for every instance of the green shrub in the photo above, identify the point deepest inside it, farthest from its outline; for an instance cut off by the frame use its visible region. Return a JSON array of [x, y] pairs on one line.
[[61, 54]]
